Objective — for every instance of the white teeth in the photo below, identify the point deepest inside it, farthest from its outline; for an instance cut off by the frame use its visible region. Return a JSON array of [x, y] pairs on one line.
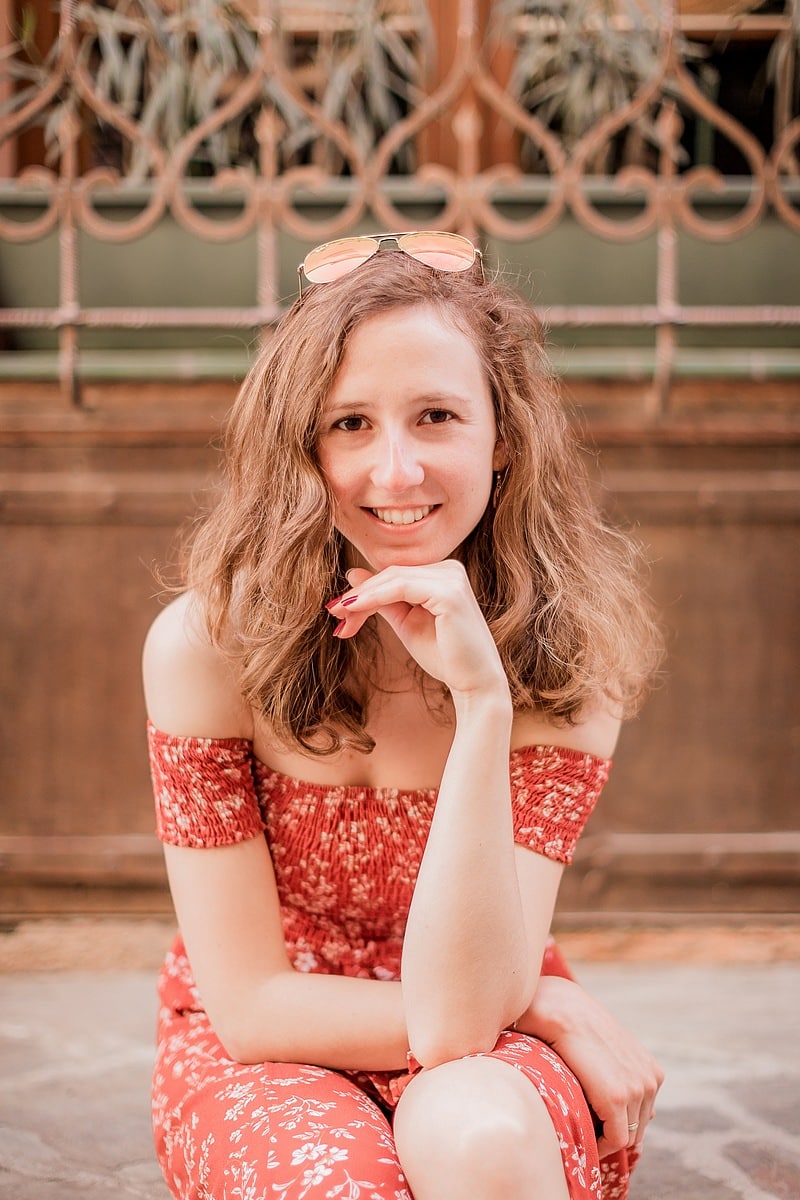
[[401, 516]]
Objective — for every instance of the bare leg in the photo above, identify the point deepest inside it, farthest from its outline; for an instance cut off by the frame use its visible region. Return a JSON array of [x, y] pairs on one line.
[[477, 1129]]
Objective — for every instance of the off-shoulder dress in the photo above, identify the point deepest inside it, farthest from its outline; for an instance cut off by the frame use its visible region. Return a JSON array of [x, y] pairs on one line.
[[345, 861]]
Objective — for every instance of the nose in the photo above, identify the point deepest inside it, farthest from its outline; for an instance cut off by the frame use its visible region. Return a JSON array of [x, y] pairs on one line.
[[397, 466]]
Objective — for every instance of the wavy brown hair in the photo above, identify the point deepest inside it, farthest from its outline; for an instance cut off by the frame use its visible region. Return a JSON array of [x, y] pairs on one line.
[[559, 589]]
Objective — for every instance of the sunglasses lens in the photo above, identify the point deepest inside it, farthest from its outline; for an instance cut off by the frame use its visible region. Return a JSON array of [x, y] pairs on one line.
[[442, 251], [335, 259]]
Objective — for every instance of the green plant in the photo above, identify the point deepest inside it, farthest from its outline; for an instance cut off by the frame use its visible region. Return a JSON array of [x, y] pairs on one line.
[[368, 64], [169, 66], [578, 61]]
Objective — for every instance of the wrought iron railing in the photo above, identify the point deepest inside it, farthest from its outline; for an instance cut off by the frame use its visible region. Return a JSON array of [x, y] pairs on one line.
[[273, 198]]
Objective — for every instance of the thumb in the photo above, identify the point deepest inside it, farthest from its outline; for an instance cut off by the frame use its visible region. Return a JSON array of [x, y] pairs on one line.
[[357, 575]]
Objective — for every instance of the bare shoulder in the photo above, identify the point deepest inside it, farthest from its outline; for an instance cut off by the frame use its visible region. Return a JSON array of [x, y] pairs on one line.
[[188, 682], [594, 732]]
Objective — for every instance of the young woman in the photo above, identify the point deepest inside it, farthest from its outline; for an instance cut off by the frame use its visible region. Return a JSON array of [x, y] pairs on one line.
[[380, 714]]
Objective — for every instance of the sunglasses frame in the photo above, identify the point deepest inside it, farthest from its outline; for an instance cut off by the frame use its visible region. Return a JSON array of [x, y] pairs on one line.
[[379, 239]]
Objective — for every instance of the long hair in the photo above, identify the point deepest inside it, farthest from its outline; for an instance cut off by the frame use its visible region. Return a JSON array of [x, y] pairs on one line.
[[559, 589]]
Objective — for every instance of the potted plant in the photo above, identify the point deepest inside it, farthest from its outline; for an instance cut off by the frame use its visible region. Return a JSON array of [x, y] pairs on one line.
[[168, 67], [577, 62]]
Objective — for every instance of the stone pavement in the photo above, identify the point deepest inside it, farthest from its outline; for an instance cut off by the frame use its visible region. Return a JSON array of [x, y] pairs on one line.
[[76, 1051]]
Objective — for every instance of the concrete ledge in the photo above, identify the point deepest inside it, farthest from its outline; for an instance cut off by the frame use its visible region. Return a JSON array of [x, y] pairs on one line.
[[113, 944]]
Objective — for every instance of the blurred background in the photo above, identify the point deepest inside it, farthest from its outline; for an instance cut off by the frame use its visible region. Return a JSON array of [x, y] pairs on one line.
[[632, 168]]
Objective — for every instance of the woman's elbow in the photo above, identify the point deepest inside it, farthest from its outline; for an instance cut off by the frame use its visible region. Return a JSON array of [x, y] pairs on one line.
[[238, 1041], [434, 1048], [259, 1022], [242, 1055], [440, 1036], [244, 1038]]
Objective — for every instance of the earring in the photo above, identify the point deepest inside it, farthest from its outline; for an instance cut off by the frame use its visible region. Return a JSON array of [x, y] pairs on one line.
[[499, 480]]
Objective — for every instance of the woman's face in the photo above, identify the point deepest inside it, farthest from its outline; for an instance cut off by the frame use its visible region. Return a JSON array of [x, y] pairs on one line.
[[409, 440]]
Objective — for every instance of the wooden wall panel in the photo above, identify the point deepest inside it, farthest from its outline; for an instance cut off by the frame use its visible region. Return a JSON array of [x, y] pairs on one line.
[[82, 598]]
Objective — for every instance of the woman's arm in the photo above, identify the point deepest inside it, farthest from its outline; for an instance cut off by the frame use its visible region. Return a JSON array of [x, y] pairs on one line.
[[467, 969], [469, 846], [261, 1008], [227, 904], [481, 908]]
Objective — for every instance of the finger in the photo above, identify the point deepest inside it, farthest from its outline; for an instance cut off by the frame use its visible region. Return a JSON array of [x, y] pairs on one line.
[[380, 591], [349, 626], [357, 575], [647, 1108], [351, 611], [440, 588], [351, 622], [615, 1133], [635, 1129], [370, 592], [645, 1117], [355, 607], [605, 1147]]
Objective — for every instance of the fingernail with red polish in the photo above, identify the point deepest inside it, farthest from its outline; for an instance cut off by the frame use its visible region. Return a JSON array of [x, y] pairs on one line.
[[339, 628], [349, 600], [332, 603]]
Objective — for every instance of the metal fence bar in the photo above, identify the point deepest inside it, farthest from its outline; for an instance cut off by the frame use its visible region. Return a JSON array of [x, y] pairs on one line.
[[137, 318], [662, 202], [649, 316]]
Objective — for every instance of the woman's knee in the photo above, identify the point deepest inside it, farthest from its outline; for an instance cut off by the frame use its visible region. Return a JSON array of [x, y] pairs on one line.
[[481, 1127]]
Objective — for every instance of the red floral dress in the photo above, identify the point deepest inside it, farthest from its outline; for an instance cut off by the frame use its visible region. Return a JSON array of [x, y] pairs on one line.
[[345, 861]]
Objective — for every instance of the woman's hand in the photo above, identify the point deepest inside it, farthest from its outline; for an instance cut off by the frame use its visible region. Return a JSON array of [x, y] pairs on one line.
[[619, 1077], [433, 611]]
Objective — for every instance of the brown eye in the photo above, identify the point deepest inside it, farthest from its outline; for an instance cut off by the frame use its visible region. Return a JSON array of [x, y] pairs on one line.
[[437, 416], [352, 424]]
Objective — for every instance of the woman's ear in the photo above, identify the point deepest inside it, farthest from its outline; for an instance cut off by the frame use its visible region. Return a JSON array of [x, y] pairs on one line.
[[500, 457]]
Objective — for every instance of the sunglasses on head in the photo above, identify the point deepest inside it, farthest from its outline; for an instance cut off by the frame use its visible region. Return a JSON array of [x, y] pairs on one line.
[[449, 252]]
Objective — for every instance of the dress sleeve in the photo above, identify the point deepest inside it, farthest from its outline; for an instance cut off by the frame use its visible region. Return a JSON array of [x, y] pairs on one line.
[[204, 790], [553, 792]]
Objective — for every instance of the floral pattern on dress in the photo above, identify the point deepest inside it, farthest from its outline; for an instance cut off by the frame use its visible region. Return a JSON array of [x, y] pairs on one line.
[[228, 1131], [203, 789], [553, 791], [346, 861]]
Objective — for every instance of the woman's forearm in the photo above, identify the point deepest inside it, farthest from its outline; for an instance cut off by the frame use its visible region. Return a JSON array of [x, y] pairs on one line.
[[327, 1020], [465, 956]]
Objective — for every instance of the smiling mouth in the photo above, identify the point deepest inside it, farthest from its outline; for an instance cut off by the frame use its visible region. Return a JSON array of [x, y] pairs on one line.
[[402, 516]]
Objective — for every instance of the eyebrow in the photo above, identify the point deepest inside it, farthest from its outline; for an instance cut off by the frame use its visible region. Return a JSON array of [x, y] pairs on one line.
[[428, 399]]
